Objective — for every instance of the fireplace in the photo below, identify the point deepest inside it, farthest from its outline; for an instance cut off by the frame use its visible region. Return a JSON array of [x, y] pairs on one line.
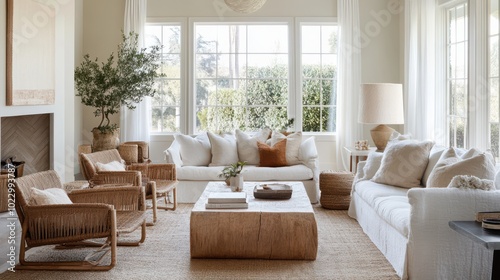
[[27, 139]]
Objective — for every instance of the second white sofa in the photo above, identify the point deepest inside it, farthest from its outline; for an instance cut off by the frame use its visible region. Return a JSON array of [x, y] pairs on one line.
[[410, 226]]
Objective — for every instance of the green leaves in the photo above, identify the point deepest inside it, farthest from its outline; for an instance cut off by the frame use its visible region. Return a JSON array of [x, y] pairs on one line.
[[232, 170], [122, 80]]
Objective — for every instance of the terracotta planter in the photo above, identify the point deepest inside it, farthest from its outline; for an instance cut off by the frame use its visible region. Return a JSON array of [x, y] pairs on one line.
[[105, 141]]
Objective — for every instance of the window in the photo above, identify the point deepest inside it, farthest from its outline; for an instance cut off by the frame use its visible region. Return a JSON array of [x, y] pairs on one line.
[[166, 104], [457, 62], [319, 73], [241, 76], [246, 75]]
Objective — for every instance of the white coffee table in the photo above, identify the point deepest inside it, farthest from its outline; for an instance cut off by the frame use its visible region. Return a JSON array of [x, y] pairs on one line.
[[268, 229]]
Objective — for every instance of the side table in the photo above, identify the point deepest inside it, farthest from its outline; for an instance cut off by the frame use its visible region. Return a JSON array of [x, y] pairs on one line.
[[488, 238], [355, 155]]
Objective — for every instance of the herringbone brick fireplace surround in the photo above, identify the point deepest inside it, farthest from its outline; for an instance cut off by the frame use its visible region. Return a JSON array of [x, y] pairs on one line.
[[28, 139]]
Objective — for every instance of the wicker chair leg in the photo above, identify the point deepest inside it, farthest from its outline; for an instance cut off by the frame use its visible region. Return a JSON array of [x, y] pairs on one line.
[[167, 200], [155, 209]]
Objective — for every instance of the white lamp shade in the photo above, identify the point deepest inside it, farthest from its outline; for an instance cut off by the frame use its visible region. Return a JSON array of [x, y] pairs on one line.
[[381, 104]]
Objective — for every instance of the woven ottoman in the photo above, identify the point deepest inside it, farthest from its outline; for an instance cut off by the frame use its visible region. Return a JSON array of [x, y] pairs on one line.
[[335, 189]]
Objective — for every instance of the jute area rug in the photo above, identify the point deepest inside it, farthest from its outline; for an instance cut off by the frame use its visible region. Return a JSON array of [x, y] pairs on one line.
[[344, 252]]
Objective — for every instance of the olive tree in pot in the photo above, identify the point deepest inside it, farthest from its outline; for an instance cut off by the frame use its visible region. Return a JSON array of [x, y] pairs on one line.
[[124, 79]]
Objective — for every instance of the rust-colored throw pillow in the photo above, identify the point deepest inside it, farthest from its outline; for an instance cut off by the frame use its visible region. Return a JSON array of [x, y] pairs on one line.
[[274, 156]]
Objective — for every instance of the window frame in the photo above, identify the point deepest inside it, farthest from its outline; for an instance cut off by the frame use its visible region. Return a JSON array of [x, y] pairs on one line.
[[188, 102]]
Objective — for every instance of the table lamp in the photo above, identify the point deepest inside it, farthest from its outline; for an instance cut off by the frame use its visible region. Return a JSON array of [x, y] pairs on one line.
[[381, 104]]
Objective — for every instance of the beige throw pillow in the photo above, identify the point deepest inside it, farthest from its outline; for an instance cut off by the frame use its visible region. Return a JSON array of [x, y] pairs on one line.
[[404, 163], [450, 164], [372, 165], [224, 151], [194, 151], [293, 142], [49, 196], [247, 145], [111, 166]]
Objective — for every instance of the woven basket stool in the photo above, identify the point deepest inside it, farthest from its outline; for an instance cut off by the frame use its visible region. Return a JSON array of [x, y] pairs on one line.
[[335, 189]]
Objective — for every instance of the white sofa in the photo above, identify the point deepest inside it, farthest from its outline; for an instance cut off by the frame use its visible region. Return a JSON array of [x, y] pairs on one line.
[[410, 226], [193, 179]]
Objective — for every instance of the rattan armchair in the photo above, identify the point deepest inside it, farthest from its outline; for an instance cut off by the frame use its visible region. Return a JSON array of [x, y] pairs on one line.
[[158, 179], [95, 213]]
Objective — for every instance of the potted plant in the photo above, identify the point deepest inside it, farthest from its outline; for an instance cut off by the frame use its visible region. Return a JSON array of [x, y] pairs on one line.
[[122, 80], [232, 175]]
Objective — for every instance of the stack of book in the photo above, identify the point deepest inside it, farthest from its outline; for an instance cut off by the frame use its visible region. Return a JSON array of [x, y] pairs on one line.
[[489, 220], [227, 200]]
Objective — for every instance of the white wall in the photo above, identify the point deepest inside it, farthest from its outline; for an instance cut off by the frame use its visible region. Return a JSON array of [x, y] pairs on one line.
[[63, 109], [103, 21]]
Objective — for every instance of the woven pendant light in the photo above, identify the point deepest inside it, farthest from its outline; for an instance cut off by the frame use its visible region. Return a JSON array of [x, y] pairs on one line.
[[245, 6]]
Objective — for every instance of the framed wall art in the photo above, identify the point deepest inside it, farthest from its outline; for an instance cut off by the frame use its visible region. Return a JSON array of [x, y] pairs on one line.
[[30, 52]]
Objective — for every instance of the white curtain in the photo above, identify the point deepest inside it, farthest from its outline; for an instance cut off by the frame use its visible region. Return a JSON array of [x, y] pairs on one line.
[[349, 79], [420, 61], [135, 124]]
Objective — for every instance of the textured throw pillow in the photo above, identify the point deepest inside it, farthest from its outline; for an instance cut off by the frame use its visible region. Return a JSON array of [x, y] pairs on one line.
[[49, 196], [274, 156], [372, 165], [224, 151], [111, 166], [293, 142], [471, 182], [247, 145], [194, 151], [403, 163], [450, 164], [308, 150]]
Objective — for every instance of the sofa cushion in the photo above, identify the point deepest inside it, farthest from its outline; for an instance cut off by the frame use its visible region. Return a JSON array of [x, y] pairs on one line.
[[250, 173], [274, 156], [451, 164], [369, 191], [247, 145], [395, 210], [404, 163], [293, 142], [194, 151], [223, 149]]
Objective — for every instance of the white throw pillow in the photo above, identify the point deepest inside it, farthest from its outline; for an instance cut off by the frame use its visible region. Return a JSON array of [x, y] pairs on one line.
[[49, 196], [247, 145], [372, 165], [224, 150], [293, 142], [110, 166], [308, 150], [403, 163], [194, 151], [450, 164]]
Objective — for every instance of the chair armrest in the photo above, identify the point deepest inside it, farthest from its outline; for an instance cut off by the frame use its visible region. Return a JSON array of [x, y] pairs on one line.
[[123, 198], [117, 177], [61, 223], [162, 171]]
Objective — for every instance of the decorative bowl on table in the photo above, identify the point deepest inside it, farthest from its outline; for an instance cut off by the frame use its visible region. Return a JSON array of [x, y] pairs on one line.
[[273, 191]]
